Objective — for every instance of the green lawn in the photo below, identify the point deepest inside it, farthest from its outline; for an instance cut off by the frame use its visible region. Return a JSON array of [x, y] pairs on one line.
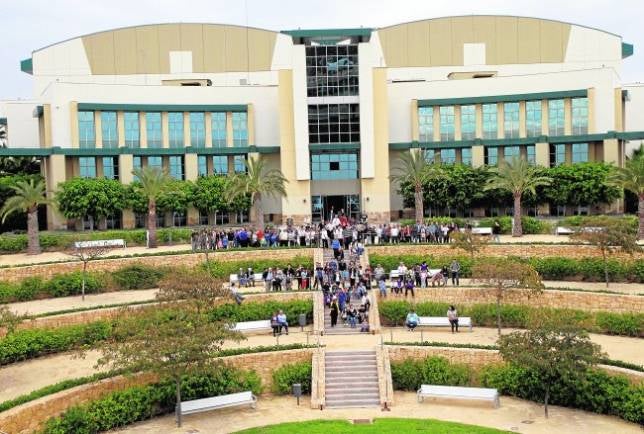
[[388, 425]]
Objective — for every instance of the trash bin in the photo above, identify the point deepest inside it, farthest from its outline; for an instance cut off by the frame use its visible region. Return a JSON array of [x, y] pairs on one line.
[[297, 391], [302, 320]]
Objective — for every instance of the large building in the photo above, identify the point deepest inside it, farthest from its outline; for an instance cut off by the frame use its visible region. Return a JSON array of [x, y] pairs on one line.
[[333, 109]]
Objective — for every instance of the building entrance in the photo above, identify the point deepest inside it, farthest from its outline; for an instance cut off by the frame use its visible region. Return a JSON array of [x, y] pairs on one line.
[[322, 207]]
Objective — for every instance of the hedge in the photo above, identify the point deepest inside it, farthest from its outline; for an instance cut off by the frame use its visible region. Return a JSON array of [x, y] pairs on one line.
[[530, 225], [411, 373], [393, 312], [253, 311], [139, 403], [576, 221], [285, 376]]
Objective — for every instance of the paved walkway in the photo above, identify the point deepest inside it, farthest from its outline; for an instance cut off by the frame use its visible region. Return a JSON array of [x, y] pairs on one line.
[[514, 415]]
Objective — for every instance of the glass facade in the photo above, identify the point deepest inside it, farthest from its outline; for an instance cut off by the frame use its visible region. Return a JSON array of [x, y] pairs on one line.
[[466, 156], [197, 129], [334, 166], [202, 165], [239, 163], [332, 70], [110, 168], [533, 118], [511, 120], [426, 124], [87, 167], [153, 129], [510, 152], [218, 126], [468, 122], [491, 156], [557, 154], [220, 164], [240, 129], [132, 129], [556, 117], [86, 131], [334, 123], [447, 122], [531, 154], [175, 129], [109, 130], [490, 123], [580, 115], [176, 166], [448, 156], [155, 162], [580, 152]]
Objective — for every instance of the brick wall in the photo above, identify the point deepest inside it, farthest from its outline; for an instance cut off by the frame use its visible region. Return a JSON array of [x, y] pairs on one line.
[[472, 357]]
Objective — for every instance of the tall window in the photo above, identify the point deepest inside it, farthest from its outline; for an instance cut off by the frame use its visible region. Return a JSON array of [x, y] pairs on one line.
[[197, 129], [332, 70], [557, 154], [220, 164], [109, 130], [468, 122], [87, 167], [239, 163], [466, 156], [533, 118], [511, 119], [218, 126], [426, 124], [490, 124], [175, 129], [334, 166], [110, 168], [240, 129], [334, 123], [132, 129], [491, 156], [580, 116], [86, 131], [556, 117], [155, 162], [531, 155], [202, 165], [447, 122], [153, 129], [580, 152], [510, 152], [448, 156], [136, 164], [176, 166]]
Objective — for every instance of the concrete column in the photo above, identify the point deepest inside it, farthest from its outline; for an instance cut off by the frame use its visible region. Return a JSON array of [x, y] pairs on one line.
[[165, 130], [46, 139], [120, 128], [478, 156], [523, 130], [619, 110], [55, 169], [611, 151], [457, 123], [73, 123], [478, 110], [143, 131], [567, 116], [500, 121], [208, 120], [229, 130], [542, 154], [591, 110], [98, 130], [191, 167], [250, 124], [544, 117], [126, 165], [414, 121], [437, 123], [186, 129]]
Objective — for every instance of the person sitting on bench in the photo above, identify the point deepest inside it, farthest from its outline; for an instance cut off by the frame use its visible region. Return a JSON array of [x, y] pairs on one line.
[[281, 319], [412, 320], [275, 324]]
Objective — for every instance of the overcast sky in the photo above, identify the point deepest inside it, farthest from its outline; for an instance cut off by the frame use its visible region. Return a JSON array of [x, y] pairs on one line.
[[32, 24]]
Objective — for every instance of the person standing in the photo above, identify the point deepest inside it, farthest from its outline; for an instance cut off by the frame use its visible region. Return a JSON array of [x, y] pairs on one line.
[[452, 316], [455, 269], [334, 311], [496, 232]]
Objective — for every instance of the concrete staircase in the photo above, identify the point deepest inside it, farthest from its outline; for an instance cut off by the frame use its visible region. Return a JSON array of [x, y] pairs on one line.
[[351, 379]]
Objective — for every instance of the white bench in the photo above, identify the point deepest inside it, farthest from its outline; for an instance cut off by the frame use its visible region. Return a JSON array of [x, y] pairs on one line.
[[462, 393], [216, 402], [257, 277], [564, 231], [99, 243], [482, 231], [253, 326], [394, 274], [442, 321]]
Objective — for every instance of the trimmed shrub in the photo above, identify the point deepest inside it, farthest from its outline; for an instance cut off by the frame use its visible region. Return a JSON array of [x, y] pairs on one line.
[[287, 375], [530, 225], [137, 277], [63, 285], [410, 373], [254, 311]]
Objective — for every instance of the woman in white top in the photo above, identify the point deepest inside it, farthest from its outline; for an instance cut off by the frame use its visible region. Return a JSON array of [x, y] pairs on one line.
[[452, 316]]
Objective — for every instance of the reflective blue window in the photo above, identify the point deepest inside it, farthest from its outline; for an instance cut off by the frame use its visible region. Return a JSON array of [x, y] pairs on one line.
[[490, 124], [426, 124], [136, 164], [175, 129], [109, 130], [491, 156], [580, 152], [240, 129], [155, 162], [218, 125], [448, 156], [580, 116], [466, 156], [510, 152], [556, 118], [557, 154], [202, 165], [531, 155], [176, 166], [132, 129], [511, 119], [447, 123], [239, 163], [153, 129], [468, 122], [87, 167], [533, 118], [110, 167], [334, 166], [197, 129], [86, 131], [220, 164]]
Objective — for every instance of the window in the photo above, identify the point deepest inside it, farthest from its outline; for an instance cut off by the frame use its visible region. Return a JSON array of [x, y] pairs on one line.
[[176, 166], [132, 127], [220, 164], [531, 155], [466, 156], [240, 129], [511, 119], [332, 70], [197, 129], [432, 156], [334, 123], [579, 116], [86, 132], [468, 122], [202, 165], [510, 152], [491, 156], [426, 124], [556, 117], [490, 121], [557, 154], [175, 129], [533, 118], [448, 156], [153, 129], [580, 152], [136, 164], [155, 162], [239, 163], [447, 122], [87, 167], [334, 166], [109, 130], [110, 167], [218, 125]]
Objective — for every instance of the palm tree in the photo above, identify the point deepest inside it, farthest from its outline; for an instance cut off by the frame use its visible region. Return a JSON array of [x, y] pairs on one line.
[[258, 181], [518, 177], [631, 178], [152, 180], [414, 169], [28, 195]]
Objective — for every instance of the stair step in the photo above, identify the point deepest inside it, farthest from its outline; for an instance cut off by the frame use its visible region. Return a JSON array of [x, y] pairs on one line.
[[350, 369], [360, 392], [354, 357], [343, 384], [350, 353], [352, 403]]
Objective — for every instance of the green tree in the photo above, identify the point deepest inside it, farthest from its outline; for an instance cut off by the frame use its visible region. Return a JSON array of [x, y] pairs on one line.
[[412, 168], [86, 254], [208, 194], [552, 352], [27, 196], [175, 196], [258, 182], [631, 178], [17, 220], [9, 320], [518, 177], [96, 198], [151, 182]]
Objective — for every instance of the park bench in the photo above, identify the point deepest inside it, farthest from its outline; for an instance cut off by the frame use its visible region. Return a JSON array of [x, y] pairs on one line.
[[100, 243], [217, 402], [459, 393], [253, 326], [442, 321], [394, 274], [482, 231], [563, 231]]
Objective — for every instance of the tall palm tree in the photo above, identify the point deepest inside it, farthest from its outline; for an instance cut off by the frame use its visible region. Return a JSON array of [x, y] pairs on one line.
[[258, 182], [413, 168], [28, 195], [631, 178], [152, 180], [518, 177]]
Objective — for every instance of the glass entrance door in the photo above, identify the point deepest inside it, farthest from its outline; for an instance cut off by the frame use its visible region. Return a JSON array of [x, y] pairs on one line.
[[322, 207]]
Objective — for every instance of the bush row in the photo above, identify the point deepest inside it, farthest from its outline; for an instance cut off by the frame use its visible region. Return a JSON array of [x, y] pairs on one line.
[[530, 225], [550, 268], [624, 324], [287, 375], [253, 311]]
